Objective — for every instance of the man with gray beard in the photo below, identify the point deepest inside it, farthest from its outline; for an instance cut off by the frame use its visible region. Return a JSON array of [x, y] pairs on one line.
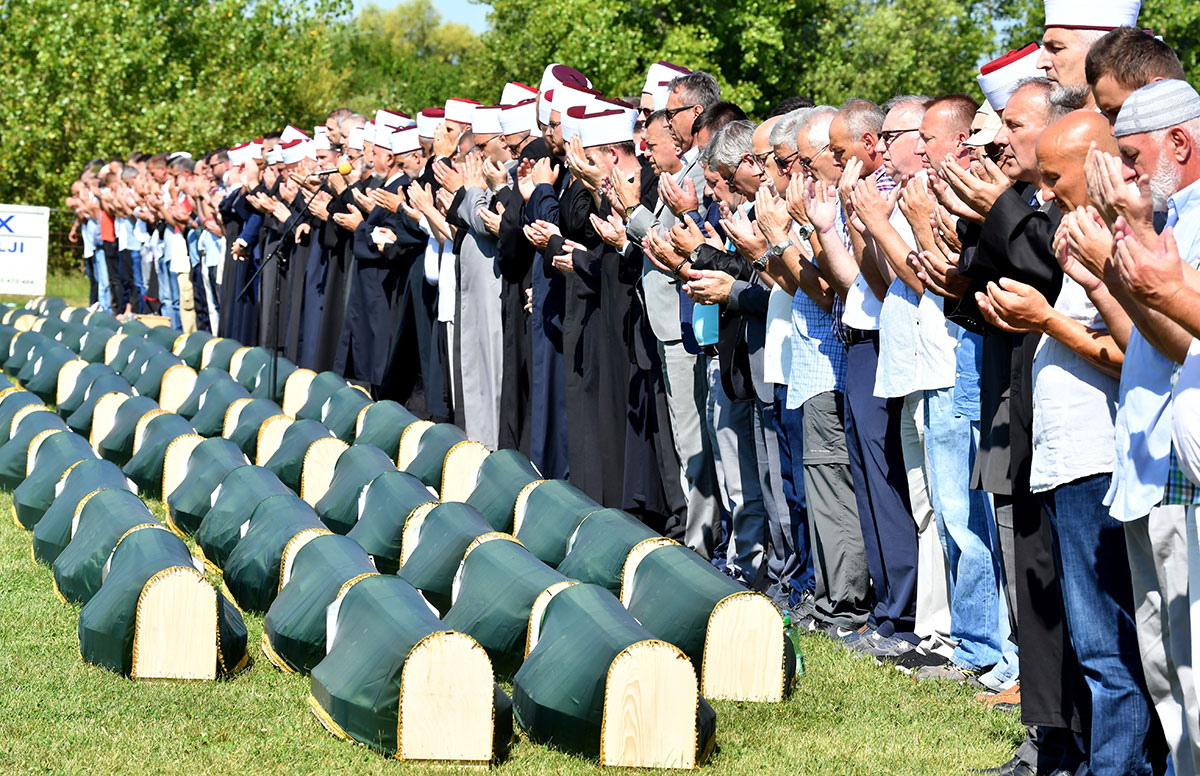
[[1071, 29]]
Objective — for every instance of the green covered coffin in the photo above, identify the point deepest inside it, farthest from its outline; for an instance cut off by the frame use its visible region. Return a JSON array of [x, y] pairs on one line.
[[117, 355], [52, 327], [357, 466], [323, 386], [19, 350], [99, 319], [91, 347], [233, 501], [436, 442], [72, 336], [220, 353], [732, 635], [163, 336], [53, 532], [13, 402], [14, 454], [278, 528], [397, 680], [132, 327], [138, 358], [294, 627], [82, 383], [80, 421], [149, 382], [385, 507], [209, 419], [382, 424], [501, 478], [43, 377], [117, 444], [341, 415], [191, 348], [100, 522], [207, 466], [434, 548], [494, 593], [54, 456], [597, 683], [145, 467], [245, 366], [598, 549], [205, 379], [261, 388], [250, 419], [548, 516], [157, 617], [287, 462]]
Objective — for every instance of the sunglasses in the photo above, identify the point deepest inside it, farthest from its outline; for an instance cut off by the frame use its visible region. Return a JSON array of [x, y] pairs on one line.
[[673, 112]]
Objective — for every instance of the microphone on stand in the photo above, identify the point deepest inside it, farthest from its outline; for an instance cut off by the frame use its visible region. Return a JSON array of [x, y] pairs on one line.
[[344, 169]]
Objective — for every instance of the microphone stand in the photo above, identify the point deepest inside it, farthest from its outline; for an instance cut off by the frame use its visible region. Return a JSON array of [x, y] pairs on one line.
[[288, 228]]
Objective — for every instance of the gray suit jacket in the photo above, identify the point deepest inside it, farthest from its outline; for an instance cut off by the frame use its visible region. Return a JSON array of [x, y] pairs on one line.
[[660, 289]]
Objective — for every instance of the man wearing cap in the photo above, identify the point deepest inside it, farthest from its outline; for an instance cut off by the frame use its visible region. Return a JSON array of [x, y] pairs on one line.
[[1072, 26], [1157, 132]]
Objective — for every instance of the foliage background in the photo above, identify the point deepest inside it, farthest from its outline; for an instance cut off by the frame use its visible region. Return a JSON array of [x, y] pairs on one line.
[[87, 78]]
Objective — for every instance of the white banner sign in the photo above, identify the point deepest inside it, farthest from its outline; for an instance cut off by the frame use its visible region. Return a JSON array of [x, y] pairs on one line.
[[24, 242]]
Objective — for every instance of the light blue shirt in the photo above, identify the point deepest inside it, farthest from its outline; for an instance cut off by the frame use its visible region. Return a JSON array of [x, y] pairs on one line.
[[1143, 428], [818, 354]]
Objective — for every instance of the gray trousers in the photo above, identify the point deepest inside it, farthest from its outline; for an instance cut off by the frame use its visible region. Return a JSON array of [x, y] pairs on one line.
[[1158, 559], [841, 582], [687, 395], [782, 562], [736, 427]]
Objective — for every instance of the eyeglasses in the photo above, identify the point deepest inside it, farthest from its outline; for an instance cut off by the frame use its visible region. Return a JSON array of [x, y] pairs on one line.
[[729, 178], [807, 163], [514, 145], [673, 112], [645, 112], [553, 124], [784, 162], [761, 159], [889, 135]]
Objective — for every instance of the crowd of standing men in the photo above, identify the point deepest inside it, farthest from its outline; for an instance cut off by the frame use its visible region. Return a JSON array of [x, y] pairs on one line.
[[924, 372]]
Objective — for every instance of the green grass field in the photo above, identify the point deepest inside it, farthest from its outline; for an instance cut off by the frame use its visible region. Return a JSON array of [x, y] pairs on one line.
[[59, 715]]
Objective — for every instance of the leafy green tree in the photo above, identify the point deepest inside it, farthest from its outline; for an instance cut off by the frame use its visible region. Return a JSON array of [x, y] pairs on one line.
[[404, 57], [82, 78]]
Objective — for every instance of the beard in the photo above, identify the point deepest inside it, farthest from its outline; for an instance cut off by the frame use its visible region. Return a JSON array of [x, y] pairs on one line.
[[1073, 97], [1164, 181]]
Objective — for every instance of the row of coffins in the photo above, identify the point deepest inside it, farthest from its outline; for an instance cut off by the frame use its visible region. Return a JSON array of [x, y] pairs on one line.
[[393, 552]]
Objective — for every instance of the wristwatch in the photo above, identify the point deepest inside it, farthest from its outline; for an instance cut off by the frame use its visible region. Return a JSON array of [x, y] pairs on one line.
[[805, 231], [760, 264]]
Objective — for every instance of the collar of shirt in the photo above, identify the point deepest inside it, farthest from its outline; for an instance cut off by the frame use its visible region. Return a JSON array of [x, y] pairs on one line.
[[1183, 202], [1183, 215]]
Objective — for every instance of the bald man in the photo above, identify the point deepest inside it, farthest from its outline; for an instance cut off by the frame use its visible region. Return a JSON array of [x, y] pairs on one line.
[[764, 156], [1075, 392]]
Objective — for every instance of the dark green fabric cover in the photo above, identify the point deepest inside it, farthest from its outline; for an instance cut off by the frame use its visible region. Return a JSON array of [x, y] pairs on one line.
[[445, 534], [234, 500], [124, 350], [103, 320], [37, 357], [55, 455], [323, 386], [379, 621], [222, 352], [134, 328], [163, 335], [53, 532], [205, 379], [553, 511], [91, 347], [14, 454], [383, 507], [44, 381], [7, 335], [252, 571], [431, 453], [82, 383], [193, 348], [383, 424], [72, 336], [341, 417], [12, 404], [558, 694], [80, 421], [117, 444], [288, 460], [52, 326], [138, 359], [674, 593], [250, 420], [145, 468], [295, 623], [600, 546], [354, 470], [149, 382], [20, 348], [53, 306], [103, 520], [107, 622], [252, 361], [502, 476], [500, 581], [207, 466], [261, 389]]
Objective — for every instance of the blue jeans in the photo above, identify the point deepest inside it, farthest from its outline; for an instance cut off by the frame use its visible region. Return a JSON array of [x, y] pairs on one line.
[[139, 285], [168, 290], [100, 273], [789, 431], [964, 527], [1093, 566]]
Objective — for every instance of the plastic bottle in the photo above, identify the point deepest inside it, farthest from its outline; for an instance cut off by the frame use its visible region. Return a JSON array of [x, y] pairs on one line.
[[793, 635]]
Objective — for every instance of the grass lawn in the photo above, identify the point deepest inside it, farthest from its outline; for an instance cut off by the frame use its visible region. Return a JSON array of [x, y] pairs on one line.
[[63, 716], [72, 287]]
